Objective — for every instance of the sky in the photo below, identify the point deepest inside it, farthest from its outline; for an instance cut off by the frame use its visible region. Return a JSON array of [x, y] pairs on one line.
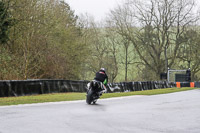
[[97, 8]]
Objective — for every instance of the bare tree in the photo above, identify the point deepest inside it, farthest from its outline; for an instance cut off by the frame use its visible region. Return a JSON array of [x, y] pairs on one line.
[[102, 42], [120, 21], [160, 28], [113, 48]]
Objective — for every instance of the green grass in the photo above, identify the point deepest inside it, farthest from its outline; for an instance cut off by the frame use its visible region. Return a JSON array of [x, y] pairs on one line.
[[56, 97]]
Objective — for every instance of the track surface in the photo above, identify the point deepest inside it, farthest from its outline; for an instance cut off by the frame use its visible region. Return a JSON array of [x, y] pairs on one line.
[[168, 113]]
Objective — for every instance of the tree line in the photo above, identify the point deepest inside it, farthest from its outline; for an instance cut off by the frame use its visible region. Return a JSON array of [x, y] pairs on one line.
[[44, 39], [40, 39]]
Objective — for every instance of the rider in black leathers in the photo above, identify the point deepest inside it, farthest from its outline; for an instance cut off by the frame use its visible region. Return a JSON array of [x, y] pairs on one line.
[[102, 76]]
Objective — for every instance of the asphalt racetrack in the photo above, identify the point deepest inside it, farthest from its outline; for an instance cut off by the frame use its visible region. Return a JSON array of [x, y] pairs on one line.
[[167, 113]]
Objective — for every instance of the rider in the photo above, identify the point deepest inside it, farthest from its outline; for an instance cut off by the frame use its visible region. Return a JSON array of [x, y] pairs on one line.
[[102, 76]]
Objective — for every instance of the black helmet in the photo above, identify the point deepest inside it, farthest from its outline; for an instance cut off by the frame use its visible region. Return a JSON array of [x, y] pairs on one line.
[[103, 69]]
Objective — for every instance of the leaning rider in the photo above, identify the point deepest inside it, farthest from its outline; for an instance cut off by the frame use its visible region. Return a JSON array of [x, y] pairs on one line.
[[102, 76]]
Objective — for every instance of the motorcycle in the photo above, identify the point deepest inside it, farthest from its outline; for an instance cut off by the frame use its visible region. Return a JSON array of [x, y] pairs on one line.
[[94, 91]]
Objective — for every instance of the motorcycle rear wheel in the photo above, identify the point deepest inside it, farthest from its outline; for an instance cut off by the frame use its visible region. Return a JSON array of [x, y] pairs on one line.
[[89, 98]]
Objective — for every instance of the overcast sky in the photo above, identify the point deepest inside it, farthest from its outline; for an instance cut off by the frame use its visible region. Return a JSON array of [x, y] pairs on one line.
[[96, 8]]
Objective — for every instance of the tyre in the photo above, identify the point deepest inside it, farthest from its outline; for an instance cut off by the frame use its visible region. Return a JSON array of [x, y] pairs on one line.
[[94, 101], [89, 98]]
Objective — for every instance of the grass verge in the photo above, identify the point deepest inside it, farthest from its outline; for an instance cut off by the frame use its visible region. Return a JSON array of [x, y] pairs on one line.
[[56, 97]]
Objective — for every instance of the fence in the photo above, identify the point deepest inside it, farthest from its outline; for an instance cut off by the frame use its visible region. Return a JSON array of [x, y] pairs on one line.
[[31, 87]]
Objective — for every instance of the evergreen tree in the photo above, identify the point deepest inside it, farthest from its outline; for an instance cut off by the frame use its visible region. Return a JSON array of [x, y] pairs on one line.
[[5, 22]]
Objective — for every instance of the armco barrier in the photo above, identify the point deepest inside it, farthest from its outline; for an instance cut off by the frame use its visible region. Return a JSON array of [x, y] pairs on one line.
[[40, 86]]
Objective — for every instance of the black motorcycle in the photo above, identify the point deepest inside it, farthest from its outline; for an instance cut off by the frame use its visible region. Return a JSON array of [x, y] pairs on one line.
[[94, 91]]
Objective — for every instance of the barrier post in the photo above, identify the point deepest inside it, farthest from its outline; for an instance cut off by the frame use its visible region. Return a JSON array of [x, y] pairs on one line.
[[178, 84], [192, 84]]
